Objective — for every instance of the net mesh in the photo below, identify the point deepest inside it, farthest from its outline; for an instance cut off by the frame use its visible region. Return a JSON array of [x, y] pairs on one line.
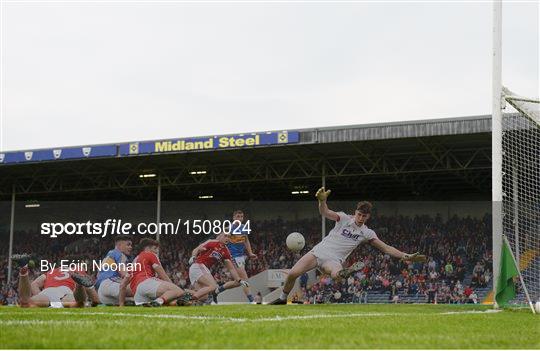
[[521, 190]]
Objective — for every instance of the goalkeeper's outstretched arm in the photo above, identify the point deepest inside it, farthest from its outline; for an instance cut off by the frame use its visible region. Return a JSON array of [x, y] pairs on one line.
[[321, 196], [392, 251]]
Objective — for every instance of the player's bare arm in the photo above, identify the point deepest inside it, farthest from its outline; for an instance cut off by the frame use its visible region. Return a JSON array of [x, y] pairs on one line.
[[382, 246], [392, 251], [196, 251], [232, 269], [37, 284], [161, 273], [321, 196], [248, 249], [123, 289]]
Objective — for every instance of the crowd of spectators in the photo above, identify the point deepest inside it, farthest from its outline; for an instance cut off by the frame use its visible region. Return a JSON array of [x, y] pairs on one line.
[[456, 248]]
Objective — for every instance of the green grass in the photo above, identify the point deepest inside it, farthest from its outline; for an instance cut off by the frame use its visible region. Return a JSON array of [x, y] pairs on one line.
[[255, 326]]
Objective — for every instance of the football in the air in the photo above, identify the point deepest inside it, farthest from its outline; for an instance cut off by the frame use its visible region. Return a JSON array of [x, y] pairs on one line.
[[295, 241]]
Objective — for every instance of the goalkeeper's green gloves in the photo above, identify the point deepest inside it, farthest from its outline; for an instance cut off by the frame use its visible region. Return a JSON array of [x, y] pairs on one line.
[[321, 194], [415, 257]]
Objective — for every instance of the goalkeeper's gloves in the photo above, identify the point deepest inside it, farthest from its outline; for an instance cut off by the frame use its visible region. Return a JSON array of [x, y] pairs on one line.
[[244, 283], [322, 194], [415, 257], [191, 260]]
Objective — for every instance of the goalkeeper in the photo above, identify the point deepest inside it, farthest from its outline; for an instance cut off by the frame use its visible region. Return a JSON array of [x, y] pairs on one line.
[[329, 255]]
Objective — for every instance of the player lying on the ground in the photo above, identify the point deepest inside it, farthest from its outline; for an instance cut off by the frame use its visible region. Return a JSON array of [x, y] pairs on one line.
[[55, 288], [329, 255], [108, 281], [203, 258], [240, 249], [151, 285]]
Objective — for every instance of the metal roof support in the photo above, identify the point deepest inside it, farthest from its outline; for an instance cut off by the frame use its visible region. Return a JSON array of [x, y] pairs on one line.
[[11, 232]]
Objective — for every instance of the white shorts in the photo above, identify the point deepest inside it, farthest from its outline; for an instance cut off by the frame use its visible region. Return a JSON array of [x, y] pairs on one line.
[[146, 291], [108, 292], [197, 270], [240, 261], [323, 255], [56, 294]]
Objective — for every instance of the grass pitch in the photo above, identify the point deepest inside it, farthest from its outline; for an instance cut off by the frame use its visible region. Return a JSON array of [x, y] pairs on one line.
[[271, 327]]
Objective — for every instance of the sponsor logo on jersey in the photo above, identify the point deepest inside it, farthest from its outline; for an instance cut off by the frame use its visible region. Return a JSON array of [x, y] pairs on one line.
[[348, 234]]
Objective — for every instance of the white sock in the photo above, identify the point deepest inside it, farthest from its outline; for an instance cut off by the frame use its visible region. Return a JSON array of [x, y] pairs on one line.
[[160, 300], [283, 296], [56, 304]]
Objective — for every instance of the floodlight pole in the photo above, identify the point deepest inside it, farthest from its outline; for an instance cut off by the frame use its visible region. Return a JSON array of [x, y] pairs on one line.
[[158, 207], [496, 144], [11, 227], [323, 182]]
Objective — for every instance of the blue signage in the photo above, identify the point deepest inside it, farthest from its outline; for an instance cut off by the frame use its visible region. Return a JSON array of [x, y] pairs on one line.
[[234, 141], [209, 143]]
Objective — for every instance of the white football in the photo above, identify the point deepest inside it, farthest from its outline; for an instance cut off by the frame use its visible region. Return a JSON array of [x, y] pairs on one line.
[[537, 307], [295, 241]]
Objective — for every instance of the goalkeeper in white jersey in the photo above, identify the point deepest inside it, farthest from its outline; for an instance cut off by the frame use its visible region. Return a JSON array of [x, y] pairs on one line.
[[329, 255]]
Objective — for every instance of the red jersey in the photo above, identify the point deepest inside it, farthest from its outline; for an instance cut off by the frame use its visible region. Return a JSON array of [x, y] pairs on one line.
[[214, 253], [143, 268], [56, 278]]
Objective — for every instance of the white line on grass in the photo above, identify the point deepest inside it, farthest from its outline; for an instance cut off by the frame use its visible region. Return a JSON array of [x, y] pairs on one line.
[[469, 312], [250, 320], [42, 322]]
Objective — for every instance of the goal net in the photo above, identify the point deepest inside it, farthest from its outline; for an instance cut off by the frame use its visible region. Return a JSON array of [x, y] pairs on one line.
[[521, 189]]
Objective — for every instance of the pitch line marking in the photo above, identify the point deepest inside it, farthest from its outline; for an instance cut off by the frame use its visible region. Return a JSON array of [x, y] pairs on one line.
[[470, 312], [46, 322], [243, 320]]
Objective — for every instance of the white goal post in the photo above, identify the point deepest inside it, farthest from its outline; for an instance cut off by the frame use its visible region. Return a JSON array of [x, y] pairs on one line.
[[515, 177]]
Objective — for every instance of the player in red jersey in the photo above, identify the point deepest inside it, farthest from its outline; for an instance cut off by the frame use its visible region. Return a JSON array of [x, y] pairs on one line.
[[203, 258], [55, 288], [150, 284]]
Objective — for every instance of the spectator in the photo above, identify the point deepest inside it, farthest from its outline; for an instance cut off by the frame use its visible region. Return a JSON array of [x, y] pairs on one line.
[[337, 296], [473, 298], [303, 280], [432, 293], [449, 269], [456, 243], [467, 292]]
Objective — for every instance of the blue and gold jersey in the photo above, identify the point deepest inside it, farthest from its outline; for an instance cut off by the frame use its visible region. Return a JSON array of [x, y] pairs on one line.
[[113, 256], [237, 244]]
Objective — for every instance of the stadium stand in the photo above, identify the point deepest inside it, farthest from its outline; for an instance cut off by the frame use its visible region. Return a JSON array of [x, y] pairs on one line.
[[433, 166], [458, 257]]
